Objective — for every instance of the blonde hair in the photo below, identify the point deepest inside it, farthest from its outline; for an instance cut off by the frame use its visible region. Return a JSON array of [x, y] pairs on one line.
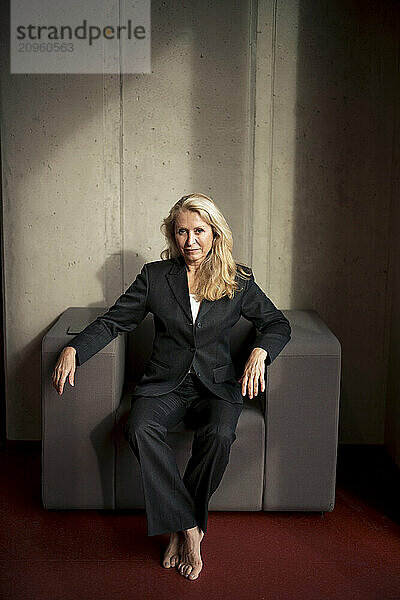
[[216, 275]]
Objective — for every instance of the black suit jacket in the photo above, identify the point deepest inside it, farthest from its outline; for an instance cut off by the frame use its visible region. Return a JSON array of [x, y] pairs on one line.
[[162, 289]]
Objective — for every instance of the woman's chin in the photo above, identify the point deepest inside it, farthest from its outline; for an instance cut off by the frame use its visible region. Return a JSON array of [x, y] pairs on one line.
[[193, 261]]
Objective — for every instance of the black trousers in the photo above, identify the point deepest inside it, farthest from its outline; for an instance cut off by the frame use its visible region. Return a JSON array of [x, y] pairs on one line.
[[173, 502]]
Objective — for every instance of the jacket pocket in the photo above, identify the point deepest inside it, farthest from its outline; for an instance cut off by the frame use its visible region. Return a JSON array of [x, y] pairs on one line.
[[158, 363], [224, 373]]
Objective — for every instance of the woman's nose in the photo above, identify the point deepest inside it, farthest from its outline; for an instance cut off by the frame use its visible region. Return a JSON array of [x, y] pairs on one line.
[[191, 238]]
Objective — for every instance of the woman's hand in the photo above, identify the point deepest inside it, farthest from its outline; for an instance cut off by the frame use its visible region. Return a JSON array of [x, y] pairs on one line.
[[253, 373], [65, 367]]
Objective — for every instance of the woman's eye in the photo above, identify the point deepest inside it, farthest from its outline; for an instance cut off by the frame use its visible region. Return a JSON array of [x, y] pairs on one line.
[[183, 231]]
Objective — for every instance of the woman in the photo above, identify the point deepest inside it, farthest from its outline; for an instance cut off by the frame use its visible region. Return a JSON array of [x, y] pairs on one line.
[[196, 293]]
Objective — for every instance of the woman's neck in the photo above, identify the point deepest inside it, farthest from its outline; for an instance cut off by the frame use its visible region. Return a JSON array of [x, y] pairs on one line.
[[192, 269]]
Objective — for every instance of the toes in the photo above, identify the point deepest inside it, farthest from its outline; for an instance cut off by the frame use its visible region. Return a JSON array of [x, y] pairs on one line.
[[171, 561], [188, 571], [195, 573]]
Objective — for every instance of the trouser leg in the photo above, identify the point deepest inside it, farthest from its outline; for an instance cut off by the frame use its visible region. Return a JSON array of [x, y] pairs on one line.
[[169, 506], [215, 423]]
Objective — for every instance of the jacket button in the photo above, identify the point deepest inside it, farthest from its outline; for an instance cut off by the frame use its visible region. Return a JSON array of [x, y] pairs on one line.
[[198, 374], [192, 349], [198, 324], [190, 324]]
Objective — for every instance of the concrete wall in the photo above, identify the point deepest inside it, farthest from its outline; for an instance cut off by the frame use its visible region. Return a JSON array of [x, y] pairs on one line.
[[392, 428], [392, 423], [340, 170], [281, 111], [329, 189]]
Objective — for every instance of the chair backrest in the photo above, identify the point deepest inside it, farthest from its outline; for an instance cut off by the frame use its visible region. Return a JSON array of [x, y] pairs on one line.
[[140, 344]]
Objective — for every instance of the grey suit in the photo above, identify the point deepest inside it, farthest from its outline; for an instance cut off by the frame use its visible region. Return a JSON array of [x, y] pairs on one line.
[[209, 401]]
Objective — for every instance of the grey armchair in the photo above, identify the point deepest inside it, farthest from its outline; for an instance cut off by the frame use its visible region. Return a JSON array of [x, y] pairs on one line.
[[284, 456]]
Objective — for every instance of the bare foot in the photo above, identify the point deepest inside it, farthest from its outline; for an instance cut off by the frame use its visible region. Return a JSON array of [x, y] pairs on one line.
[[190, 563], [171, 554]]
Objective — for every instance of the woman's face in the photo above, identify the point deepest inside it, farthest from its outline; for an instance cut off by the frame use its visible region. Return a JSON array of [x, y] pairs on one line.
[[193, 237]]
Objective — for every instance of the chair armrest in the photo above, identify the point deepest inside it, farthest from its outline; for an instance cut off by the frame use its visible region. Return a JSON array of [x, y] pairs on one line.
[[78, 427], [302, 414]]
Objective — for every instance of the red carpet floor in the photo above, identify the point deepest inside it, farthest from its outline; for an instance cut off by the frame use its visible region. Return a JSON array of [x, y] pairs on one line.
[[350, 553]]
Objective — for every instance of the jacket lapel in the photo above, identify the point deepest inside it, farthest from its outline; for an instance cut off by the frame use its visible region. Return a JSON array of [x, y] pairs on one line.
[[177, 280], [205, 306]]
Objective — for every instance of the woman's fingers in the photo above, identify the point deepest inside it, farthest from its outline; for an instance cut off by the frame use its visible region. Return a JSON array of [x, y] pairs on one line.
[[243, 379], [247, 384], [61, 383], [55, 377], [57, 380], [65, 368], [255, 385], [250, 386], [253, 376], [62, 379], [259, 384]]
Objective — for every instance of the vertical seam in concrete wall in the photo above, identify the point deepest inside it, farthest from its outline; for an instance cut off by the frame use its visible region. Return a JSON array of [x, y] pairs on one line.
[[263, 140], [113, 270], [121, 167], [274, 8], [121, 179], [112, 185], [251, 99]]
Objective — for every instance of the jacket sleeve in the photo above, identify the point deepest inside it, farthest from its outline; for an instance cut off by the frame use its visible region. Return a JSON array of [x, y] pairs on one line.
[[273, 328], [125, 314]]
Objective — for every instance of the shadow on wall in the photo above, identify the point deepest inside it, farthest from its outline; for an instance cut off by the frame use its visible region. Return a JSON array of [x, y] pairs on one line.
[[346, 61]]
